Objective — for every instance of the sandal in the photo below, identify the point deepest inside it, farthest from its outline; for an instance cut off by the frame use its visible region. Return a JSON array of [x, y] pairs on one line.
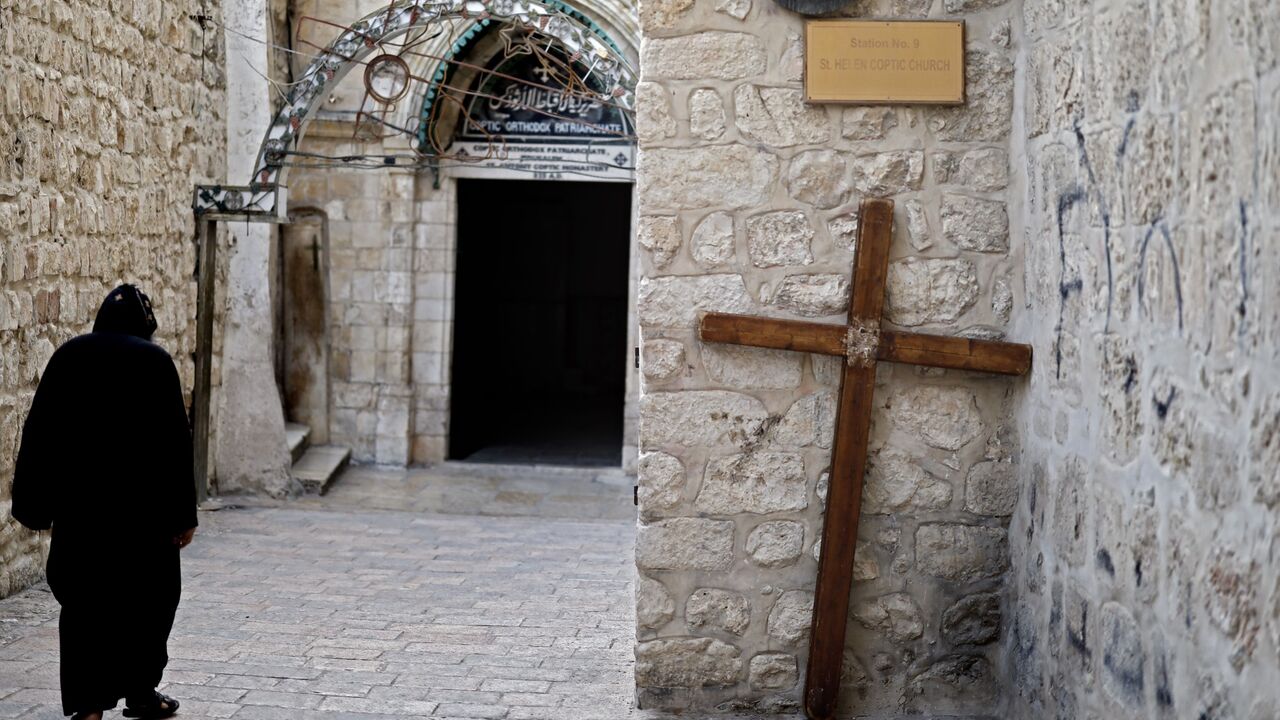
[[158, 707]]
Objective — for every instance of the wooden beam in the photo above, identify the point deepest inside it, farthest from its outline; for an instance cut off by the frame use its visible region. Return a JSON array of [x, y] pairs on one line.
[[848, 468], [802, 336], [206, 274], [954, 352]]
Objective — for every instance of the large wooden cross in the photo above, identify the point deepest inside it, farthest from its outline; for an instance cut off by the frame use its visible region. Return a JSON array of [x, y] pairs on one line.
[[863, 344]]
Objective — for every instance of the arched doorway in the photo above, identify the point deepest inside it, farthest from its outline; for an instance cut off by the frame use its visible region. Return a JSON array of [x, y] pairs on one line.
[[359, 148]]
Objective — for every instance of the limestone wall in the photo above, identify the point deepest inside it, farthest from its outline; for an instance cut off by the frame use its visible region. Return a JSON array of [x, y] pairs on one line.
[[747, 203], [1146, 581], [108, 118]]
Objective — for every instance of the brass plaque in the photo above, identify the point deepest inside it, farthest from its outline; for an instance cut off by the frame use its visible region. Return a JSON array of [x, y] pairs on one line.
[[875, 62]]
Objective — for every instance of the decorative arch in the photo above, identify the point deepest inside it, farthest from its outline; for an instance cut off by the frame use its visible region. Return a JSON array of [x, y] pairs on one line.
[[264, 197]]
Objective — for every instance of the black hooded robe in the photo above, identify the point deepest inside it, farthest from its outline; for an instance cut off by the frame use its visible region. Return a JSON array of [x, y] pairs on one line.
[[105, 462]]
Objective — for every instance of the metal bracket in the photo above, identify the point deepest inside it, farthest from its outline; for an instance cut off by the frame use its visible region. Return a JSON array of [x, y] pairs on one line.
[[861, 342], [244, 203]]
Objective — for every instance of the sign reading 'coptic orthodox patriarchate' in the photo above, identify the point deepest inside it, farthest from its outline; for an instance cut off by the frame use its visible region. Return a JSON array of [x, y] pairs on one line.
[[874, 62]]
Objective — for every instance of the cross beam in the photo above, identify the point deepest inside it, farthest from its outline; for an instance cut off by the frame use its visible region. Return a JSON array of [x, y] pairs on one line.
[[862, 343]]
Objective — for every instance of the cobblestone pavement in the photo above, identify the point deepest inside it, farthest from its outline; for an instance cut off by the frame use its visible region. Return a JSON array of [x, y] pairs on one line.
[[334, 608]]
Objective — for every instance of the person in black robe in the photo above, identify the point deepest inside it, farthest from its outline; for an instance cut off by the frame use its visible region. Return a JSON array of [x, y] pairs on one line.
[[106, 464]]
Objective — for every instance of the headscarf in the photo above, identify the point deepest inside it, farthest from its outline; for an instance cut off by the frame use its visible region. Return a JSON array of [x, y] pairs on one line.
[[127, 311]]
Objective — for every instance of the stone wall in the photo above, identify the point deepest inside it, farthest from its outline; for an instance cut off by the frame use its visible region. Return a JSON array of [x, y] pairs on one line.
[[1146, 582], [747, 203], [109, 117]]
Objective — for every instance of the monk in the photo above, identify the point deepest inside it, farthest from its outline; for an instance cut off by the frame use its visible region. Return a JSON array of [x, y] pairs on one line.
[[105, 464]]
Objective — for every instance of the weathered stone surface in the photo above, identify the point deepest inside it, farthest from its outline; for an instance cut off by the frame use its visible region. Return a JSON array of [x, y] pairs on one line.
[[888, 173], [815, 295], [955, 685], [896, 482], [961, 553], [991, 489], [809, 421], [1264, 453], [790, 617], [734, 8], [895, 615], [1231, 602], [780, 117], [844, 231], [1123, 656], [972, 620], [662, 359], [868, 123], [818, 178], [757, 482], [711, 418], [865, 565], [975, 224], [704, 56], [685, 544], [773, 671], [706, 114], [660, 235], [661, 480], [689, 178], [751, 368], [687, 663], [653, 117], [917, 225], [654, 605], [680, 301], [988, 110], [779, 238], [715, 609], [712, 243], [776, 543], [930, 290], [982, 170], [946, 418], [659, 15]]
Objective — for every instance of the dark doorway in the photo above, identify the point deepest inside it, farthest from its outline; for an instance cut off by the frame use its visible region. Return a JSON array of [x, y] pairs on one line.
[[540, 322]]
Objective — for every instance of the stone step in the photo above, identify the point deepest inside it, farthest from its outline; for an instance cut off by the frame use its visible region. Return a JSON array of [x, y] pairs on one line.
[[319, 466], [298, 437]]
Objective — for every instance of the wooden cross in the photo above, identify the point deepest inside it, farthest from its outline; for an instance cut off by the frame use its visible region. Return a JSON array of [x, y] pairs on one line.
[[863, 344]]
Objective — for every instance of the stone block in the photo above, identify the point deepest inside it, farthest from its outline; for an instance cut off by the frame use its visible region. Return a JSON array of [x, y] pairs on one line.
[[672, 302], [662, 359], [896, 483], [888, 173], [961, 553], [653, 111], [687, 663], [867, 123], [954, 685], [972, 620], [818, 178], [661, 481], [991, 488], [779, 238], [930, 290], [747, 368], [706, 114], [779, 117], [712, 243], [776, 543], [706, 418], [773, 671], [1124, 658], [790, 618], [813, 295], [975, 224], [987, 114], [896, 616], [715, 609], [660, 15], [808, 422], [734, 176], [660, 235], [654, 605], [711, 55], [685, 544], [946, 418], [755, 482]]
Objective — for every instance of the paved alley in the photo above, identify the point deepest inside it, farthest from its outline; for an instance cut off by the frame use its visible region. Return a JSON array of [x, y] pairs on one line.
[[457, 593]]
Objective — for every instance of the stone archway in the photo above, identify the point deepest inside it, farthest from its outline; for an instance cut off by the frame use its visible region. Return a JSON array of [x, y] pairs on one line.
[[247, 431]]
